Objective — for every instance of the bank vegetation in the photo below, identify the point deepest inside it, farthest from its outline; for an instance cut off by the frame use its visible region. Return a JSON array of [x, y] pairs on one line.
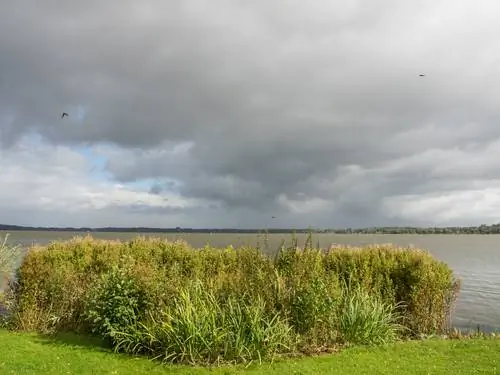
[[169, 301]]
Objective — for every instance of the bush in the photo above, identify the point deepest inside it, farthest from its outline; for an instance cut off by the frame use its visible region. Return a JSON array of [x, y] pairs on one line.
[[113, 304], [211, 305], [426, 287]]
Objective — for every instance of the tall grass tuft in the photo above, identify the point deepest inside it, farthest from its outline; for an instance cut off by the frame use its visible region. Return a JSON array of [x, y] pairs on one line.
[[9, 257], [200, 328], [365, 319]]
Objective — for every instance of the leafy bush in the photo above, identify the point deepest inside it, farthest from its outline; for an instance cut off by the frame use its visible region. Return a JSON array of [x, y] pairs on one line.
[[114, 304]]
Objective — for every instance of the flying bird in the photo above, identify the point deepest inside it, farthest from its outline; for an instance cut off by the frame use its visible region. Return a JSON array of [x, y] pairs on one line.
[[421, 75], [64, 114]]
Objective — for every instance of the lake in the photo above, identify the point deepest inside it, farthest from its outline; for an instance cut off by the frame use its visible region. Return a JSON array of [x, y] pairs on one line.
[[474, 258]]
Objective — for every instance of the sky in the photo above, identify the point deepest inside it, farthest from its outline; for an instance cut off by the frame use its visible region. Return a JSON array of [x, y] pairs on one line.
[[198, 113]]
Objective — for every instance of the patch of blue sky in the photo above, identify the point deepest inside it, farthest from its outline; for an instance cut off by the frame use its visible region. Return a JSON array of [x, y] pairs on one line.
[[96, 161], [97, 172]]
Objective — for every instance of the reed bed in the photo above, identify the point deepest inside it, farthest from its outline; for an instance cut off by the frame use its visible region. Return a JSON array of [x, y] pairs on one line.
[[170, 301]]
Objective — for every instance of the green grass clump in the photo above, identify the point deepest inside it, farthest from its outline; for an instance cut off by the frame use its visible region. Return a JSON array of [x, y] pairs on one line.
[[365, 319], [170, 301], [200, 328]]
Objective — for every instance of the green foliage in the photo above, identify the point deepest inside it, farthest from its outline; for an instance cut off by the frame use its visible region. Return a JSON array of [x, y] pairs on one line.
[[425, 286], [211, 305], [113, 304], [365, 319], [200, 328]]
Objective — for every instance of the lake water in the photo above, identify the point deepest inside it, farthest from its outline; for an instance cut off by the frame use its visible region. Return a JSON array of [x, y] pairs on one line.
[[474, 258]]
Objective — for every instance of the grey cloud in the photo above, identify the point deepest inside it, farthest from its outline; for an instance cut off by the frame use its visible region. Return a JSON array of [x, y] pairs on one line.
[[144, 82], [308, 100], [155, 189], [143, 208], [159, 187]]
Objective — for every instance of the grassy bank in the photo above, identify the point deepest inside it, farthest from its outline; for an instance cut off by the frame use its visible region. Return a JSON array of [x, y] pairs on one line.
[[35, 354], [210, 306]]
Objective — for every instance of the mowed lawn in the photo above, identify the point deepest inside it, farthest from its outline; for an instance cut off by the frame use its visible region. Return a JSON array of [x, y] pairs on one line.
[[69, 354]]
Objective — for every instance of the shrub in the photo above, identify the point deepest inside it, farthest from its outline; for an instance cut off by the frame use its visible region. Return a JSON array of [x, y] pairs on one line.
[[113, 304], [311, 294], [51, 289], [426, 287]]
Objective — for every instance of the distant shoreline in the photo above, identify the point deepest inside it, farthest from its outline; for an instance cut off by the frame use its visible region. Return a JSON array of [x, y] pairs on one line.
[[482, 229]]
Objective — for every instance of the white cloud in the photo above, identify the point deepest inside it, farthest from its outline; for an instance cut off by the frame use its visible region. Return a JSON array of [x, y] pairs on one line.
[[449, 208], [56, 181]]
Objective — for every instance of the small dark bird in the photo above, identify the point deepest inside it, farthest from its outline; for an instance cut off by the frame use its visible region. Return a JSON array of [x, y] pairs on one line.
[[421, 75], [64, 114], [273, 217]]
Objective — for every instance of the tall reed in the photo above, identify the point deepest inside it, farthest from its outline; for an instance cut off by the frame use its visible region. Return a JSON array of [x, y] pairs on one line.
[[9, 258]]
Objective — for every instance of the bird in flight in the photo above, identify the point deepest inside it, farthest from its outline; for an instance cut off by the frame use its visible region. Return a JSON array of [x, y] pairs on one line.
[[64, 114], [421, 75]]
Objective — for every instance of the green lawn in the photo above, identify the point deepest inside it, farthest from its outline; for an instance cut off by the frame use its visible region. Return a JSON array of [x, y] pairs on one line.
[[68, 354]]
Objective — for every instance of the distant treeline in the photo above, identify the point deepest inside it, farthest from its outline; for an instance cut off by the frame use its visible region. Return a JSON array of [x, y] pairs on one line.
[[482, 229]]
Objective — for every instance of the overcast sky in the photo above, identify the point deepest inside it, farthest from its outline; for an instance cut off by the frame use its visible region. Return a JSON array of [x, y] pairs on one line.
[[225, 113]]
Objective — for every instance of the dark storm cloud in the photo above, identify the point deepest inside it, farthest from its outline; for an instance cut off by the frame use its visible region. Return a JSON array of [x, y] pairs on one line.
[[253, 105]]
